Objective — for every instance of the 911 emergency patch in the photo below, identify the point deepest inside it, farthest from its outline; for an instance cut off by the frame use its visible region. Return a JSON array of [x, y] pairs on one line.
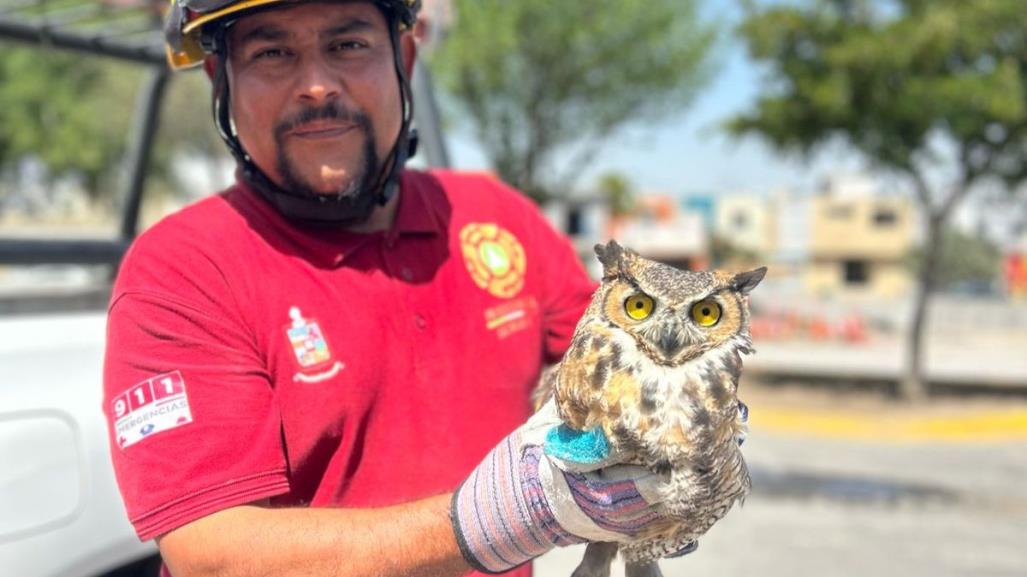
[[150, 407]]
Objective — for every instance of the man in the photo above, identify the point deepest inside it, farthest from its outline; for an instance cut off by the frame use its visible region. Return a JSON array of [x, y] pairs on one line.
[[302, 368]]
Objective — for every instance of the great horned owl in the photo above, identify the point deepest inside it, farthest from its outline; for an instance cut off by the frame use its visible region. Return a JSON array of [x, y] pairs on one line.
[[654, 362]]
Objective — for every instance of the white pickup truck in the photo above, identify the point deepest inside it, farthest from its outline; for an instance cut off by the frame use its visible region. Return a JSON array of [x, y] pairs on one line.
[[60, 511]]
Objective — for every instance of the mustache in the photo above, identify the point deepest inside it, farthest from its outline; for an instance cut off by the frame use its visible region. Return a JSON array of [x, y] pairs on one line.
[[328, 111]]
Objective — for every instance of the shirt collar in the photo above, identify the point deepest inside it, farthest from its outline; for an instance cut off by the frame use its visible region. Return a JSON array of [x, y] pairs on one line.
[[415, 214]]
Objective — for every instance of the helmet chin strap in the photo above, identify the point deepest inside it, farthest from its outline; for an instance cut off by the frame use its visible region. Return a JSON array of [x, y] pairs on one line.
[[328, 210], [406, 142]]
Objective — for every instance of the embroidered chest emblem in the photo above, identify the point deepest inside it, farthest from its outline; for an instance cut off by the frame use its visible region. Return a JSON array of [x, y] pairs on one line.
[[307, 341], [494, 258]]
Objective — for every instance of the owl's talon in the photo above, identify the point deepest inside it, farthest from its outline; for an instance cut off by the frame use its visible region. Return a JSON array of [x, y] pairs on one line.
[[597, 560], [650, 569], [689, 548]]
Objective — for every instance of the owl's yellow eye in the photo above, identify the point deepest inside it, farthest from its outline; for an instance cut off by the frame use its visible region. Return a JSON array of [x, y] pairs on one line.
[[639, 306], [706, 313]]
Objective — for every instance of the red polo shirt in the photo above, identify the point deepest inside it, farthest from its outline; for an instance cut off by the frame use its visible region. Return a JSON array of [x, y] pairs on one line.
[[249, 358]]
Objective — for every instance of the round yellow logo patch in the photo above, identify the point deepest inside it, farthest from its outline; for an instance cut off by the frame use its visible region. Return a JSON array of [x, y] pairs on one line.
[[494, 257]]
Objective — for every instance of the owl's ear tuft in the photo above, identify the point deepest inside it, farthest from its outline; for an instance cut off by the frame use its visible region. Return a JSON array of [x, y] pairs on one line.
[[612, 256], [746, 281]]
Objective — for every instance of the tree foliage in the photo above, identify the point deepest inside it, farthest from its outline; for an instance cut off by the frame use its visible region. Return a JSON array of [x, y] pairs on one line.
[[963, 259], [888, 81], [539, 79], [921, 88], [64, 111], [724, 252], [188, 127], [618, 192], [73, 113]]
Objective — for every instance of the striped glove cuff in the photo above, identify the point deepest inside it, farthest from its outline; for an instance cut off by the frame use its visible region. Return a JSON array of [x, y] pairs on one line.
[[501, 515]]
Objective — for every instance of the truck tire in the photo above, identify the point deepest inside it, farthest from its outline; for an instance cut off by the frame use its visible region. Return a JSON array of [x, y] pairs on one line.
[[145, 567]]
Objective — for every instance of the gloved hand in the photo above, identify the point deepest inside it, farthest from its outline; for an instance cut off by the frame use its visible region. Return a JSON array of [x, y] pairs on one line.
[[545, 486]]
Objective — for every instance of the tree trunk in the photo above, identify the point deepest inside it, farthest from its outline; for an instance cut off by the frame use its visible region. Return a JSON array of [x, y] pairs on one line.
[[913, 386]]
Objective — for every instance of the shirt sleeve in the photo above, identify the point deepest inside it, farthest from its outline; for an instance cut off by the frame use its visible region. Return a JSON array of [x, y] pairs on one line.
[[194, 426], [566, 290]]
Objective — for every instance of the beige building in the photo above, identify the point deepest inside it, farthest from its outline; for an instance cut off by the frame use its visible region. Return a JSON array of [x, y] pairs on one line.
[[679, 240], [859, 246], [747, 222]]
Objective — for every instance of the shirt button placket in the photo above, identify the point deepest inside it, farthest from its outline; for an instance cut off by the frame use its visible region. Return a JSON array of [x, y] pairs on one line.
[[403, 280]]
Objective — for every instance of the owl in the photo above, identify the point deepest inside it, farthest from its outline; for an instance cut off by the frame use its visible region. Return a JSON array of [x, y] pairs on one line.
[[654, 362]]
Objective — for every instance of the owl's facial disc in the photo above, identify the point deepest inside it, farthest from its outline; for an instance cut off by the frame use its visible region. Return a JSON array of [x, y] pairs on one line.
[[681, 332], [669, 338]]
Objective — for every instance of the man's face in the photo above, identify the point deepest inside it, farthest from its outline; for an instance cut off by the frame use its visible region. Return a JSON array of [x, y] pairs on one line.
[[314, 94]]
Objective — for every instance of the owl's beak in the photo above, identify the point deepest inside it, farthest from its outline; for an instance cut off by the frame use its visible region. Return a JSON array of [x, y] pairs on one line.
[[670, 341]]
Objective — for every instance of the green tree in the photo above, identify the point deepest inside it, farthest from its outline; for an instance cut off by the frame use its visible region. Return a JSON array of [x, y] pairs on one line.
[[64, 110], [724, 252], [932, 91], [188, 127], [74, 112], [540, 79], [618, 193], [962, 258]]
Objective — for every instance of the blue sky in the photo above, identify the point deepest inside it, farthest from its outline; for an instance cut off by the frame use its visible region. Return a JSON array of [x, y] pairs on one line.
[[690, 153]]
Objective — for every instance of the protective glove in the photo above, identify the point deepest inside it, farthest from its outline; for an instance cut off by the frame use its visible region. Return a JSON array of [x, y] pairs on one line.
[[545, 486]]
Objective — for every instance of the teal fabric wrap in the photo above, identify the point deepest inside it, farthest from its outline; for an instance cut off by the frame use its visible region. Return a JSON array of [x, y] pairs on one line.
[[583, 447]]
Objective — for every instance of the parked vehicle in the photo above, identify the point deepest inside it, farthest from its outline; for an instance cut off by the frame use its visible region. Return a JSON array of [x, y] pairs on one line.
[[60, 512]]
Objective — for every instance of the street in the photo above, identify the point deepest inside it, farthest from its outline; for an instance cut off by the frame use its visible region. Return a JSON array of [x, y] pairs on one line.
[[865, 498]]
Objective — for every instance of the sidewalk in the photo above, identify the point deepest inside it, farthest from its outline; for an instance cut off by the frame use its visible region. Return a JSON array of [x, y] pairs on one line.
[[851, 483], [994, 361]]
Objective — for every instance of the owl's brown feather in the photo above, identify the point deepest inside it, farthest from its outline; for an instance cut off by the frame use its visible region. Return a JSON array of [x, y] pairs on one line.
[[663, 386]]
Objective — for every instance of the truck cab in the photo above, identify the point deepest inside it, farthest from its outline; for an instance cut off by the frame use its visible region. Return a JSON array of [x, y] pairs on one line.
[[60, 511]]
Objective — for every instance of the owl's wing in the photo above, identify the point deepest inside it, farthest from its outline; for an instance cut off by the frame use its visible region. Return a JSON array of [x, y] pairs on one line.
[[581, 378], [546, 385]]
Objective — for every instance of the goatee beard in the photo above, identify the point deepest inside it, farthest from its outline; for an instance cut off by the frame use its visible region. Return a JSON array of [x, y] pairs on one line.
[[359, 184]]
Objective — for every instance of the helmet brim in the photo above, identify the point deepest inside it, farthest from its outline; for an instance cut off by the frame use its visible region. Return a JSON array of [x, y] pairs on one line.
[[195, 25], [187, 50]]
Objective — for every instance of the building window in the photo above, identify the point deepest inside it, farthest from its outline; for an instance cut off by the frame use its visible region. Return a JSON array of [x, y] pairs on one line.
[[885, 217], [740, 220], [856, 272], [575, 221]]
